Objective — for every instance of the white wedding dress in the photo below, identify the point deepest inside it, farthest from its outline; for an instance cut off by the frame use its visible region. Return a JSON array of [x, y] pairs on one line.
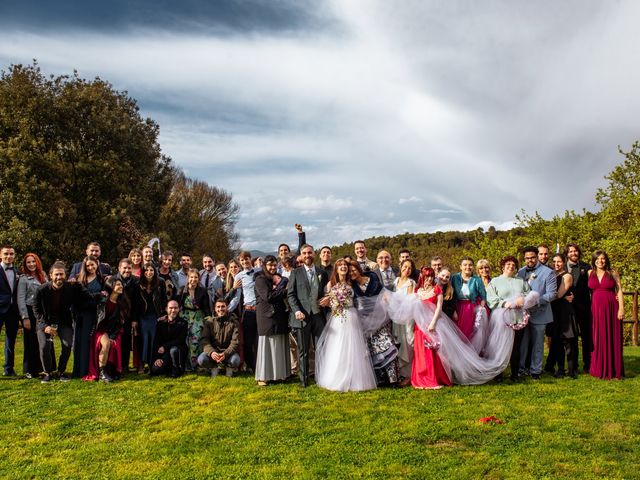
[[343, 362]]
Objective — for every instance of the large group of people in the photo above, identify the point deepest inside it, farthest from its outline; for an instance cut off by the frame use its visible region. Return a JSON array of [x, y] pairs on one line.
[[356, 324]]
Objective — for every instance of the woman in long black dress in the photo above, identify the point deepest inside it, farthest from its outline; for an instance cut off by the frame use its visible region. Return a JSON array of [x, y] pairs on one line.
[[564, 330], [90, 278]]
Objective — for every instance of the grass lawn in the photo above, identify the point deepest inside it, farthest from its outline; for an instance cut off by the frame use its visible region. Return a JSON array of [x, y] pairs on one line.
[[196, 427]]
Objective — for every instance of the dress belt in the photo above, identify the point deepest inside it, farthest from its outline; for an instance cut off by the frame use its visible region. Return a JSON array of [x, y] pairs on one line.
[[250, 307]]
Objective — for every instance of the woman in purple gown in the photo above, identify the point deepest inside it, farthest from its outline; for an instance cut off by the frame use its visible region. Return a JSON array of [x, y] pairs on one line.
[[607, 310]]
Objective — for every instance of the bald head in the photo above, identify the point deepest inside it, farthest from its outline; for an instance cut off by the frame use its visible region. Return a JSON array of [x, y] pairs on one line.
[[383, 259]]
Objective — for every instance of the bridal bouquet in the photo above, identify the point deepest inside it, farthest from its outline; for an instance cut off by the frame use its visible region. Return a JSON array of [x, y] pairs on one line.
[[340, 299], [516, 318]]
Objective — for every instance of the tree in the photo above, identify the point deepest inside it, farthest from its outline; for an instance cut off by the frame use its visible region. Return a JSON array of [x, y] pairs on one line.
[[79, 163], [199, 218], [620, 216]]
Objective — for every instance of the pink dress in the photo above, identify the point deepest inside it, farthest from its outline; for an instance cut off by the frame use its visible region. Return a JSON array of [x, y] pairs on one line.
[[427, 370], [606, 357]]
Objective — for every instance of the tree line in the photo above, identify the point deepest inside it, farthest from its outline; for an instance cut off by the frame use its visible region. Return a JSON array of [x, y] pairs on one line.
[[80, 163], [615, 228]]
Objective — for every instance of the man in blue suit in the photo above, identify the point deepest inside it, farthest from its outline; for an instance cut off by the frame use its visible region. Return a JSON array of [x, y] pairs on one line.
[[541, 279], [8, 305]]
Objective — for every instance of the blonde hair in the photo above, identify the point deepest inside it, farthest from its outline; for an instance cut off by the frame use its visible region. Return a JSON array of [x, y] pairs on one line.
[[447, 294], [483, 262]]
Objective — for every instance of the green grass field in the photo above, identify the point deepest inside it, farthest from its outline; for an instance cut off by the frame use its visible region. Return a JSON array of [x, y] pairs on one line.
[[196, 427]]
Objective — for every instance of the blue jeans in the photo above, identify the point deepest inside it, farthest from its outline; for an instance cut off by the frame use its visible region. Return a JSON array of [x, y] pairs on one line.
[[206, 361]]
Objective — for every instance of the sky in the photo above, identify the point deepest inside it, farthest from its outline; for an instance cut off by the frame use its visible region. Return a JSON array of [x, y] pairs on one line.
[[362, 118]]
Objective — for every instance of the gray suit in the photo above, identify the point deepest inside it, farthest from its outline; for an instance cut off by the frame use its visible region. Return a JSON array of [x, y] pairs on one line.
[[542, 280], [303, 296]]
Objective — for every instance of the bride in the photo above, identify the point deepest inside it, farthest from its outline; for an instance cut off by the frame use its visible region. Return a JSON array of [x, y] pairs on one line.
[[343, 362]]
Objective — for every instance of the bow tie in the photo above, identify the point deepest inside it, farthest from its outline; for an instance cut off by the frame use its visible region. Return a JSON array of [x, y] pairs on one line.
[[530, 269], [6, 269]]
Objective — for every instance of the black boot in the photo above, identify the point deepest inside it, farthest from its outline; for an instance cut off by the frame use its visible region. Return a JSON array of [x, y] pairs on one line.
[[104, 376]]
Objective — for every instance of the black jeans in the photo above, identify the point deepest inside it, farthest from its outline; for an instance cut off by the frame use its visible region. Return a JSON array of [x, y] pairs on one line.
[[47, 351], [173, 361], [515, 353]]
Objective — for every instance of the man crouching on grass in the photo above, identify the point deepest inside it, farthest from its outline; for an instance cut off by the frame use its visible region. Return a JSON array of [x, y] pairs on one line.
[[219, 342], [170, 349]]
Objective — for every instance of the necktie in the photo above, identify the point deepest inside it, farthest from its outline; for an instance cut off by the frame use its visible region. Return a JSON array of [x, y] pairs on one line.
[[206, 281]]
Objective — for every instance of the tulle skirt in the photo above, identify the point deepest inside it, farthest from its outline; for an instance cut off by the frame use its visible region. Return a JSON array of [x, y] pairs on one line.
[[460, 359], [343, 362]]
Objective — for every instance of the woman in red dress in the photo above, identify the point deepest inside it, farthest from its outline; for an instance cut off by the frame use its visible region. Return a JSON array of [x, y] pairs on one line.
[[607, 311], [105, 362], [427, 371]]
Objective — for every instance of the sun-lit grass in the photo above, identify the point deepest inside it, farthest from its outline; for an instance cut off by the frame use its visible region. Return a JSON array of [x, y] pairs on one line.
[[196, 427]]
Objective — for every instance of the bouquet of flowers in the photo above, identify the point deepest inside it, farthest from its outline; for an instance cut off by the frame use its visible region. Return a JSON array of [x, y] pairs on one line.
[[340, 299], [432, 341], [516, 318]]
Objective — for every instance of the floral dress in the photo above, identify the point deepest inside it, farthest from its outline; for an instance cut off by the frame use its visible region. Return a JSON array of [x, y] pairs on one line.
[[195, 319]]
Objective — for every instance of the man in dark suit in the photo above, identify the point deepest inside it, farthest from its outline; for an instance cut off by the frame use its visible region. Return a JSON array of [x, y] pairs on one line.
[[305, 293], [93, 250], [579, 270], [52, 309], [8, 306]]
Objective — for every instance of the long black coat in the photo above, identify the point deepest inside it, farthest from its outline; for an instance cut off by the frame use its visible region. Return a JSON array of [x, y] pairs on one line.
[[271, 309]]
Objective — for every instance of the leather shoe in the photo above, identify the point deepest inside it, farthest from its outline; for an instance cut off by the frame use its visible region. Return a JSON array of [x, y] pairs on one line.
[[535, 376], [9, 372]]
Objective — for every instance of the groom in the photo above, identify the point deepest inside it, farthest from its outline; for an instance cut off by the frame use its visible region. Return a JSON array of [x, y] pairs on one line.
[[306, 287], [541, 279]]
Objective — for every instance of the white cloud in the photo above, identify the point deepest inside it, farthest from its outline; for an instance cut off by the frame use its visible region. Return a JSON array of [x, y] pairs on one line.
[[429, 115], [412, 199]]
